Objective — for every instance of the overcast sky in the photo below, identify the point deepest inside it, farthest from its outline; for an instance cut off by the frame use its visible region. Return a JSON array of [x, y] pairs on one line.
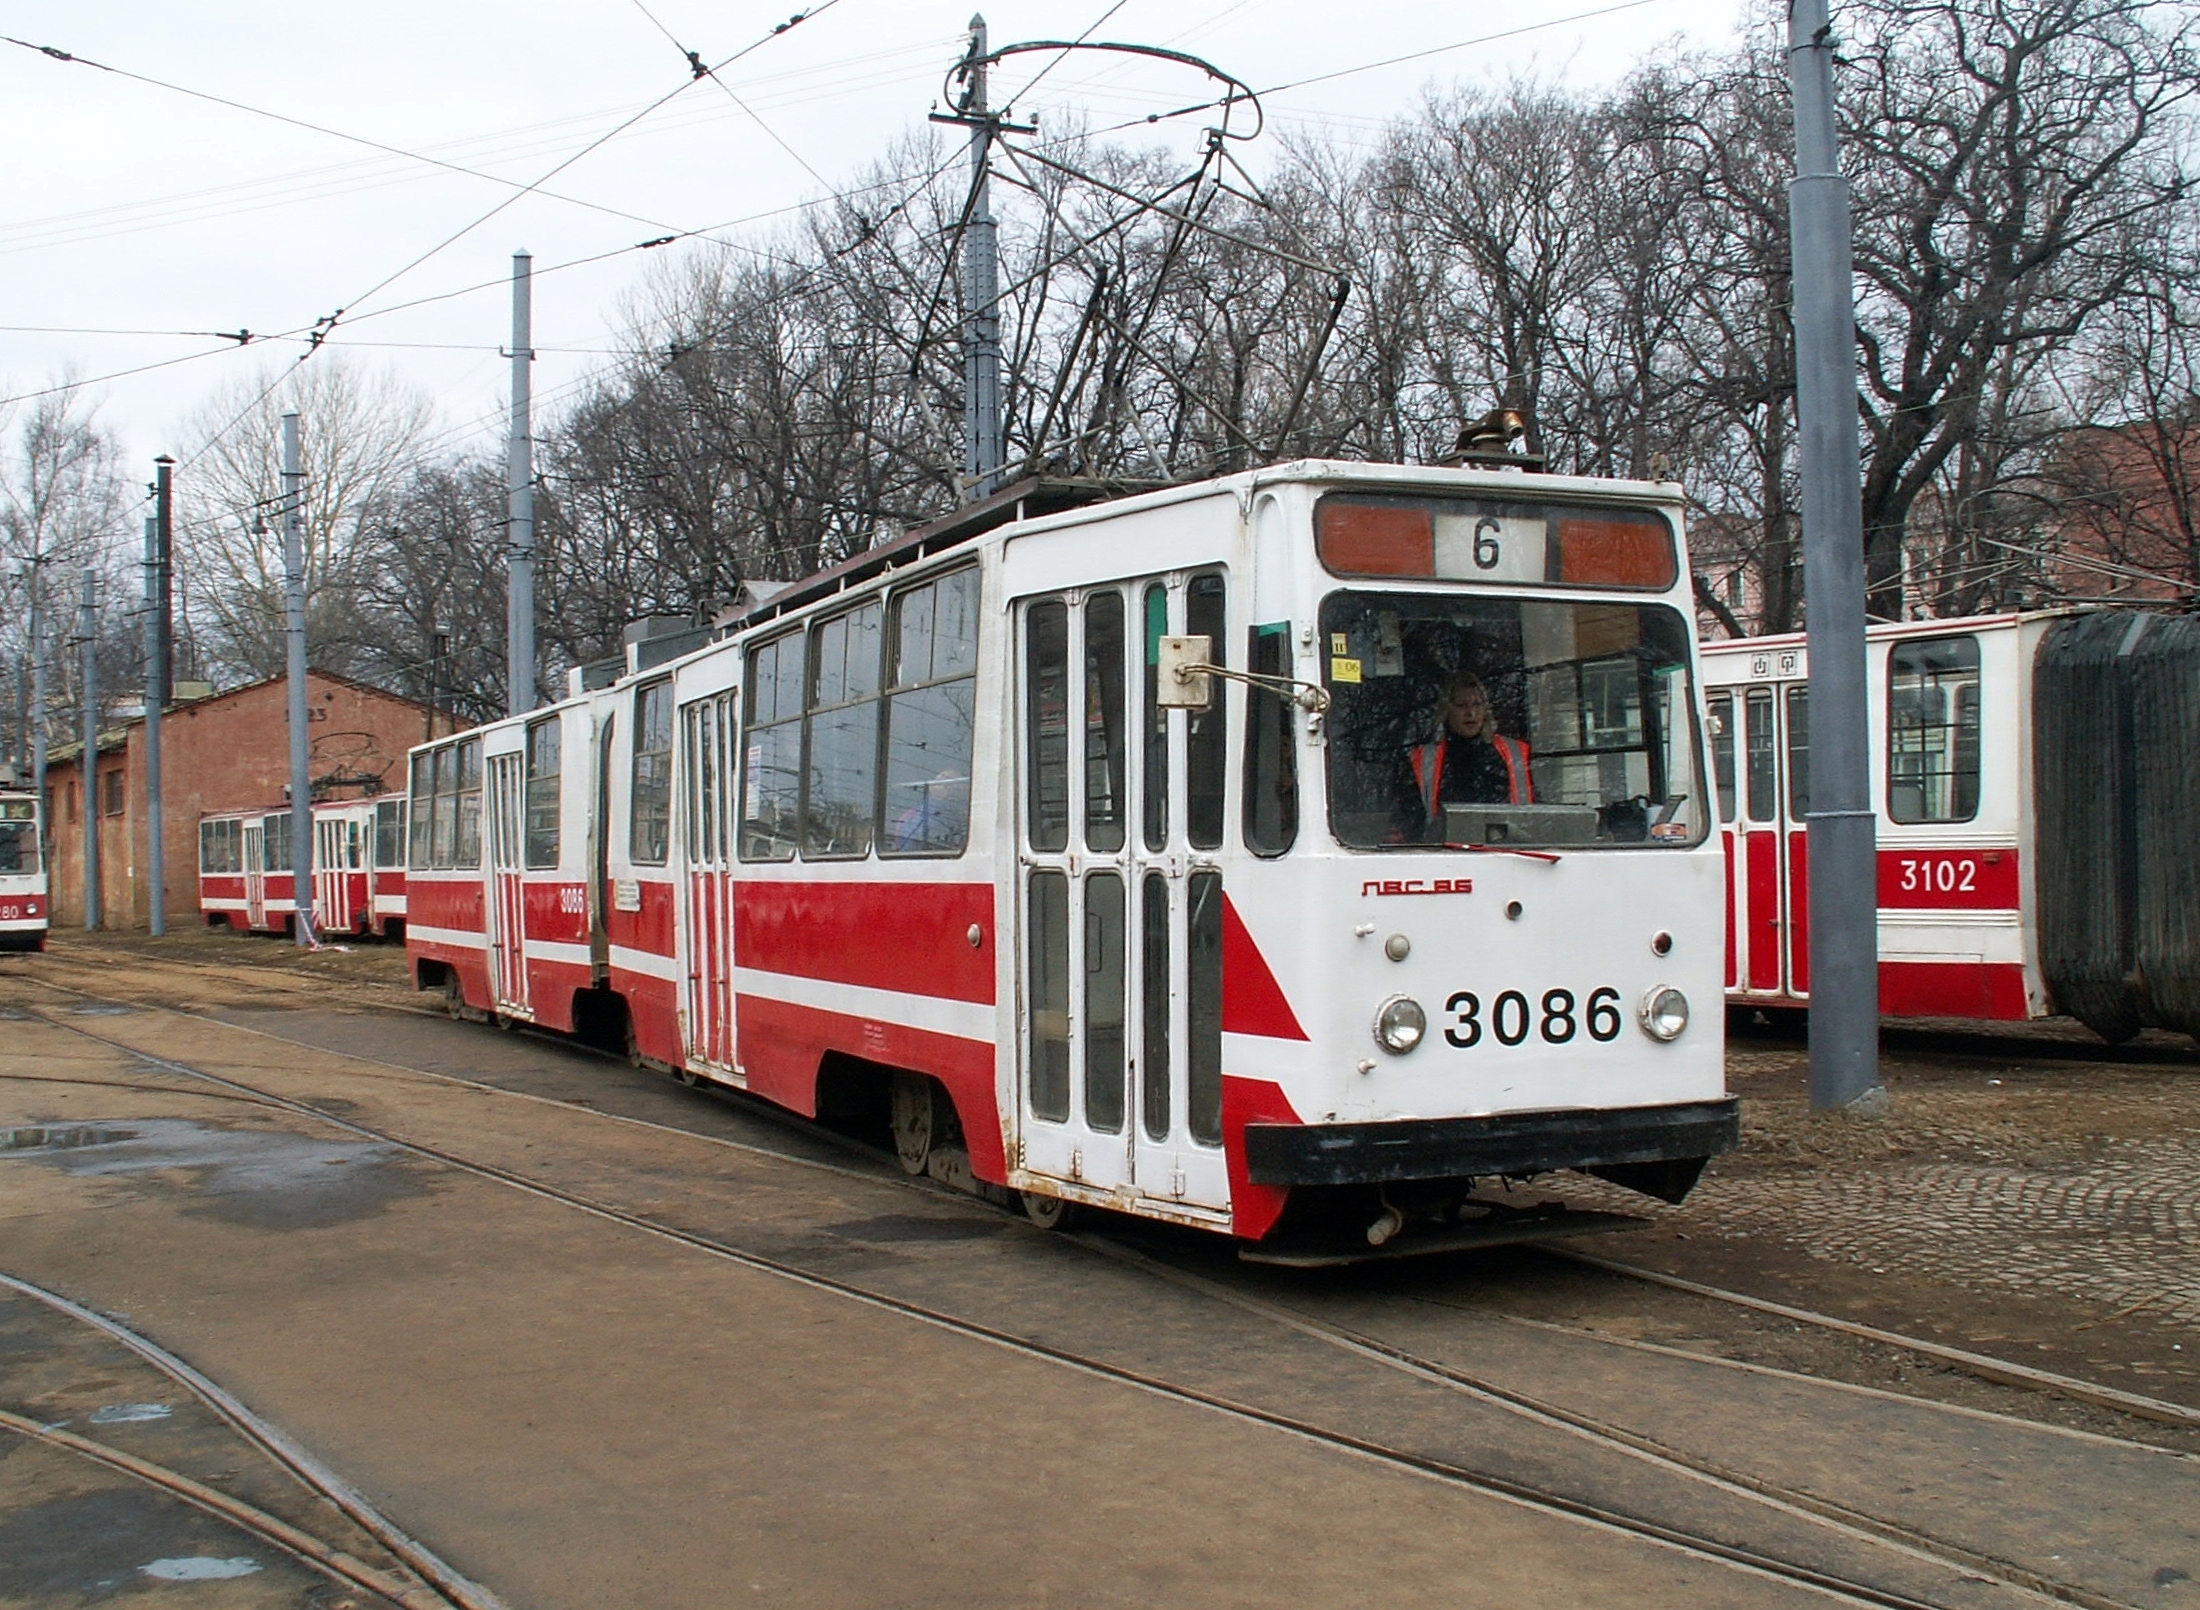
[[129, 207]]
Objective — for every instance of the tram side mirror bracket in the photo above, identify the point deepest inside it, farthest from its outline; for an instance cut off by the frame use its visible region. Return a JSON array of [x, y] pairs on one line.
[[1182, 679]]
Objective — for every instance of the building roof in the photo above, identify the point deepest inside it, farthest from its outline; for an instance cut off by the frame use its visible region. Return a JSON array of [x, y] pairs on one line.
[[114, 738]]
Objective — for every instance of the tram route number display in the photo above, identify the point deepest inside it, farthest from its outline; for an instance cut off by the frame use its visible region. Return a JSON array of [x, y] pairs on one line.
[[1513, 1016]]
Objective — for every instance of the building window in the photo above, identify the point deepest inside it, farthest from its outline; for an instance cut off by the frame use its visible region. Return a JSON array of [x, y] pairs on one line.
[[110, 792]]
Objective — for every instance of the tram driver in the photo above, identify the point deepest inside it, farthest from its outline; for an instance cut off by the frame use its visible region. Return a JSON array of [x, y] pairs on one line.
[[1465, 761]]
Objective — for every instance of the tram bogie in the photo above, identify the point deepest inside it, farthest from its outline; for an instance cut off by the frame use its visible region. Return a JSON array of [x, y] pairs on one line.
[[1412, 902], [24, 912]]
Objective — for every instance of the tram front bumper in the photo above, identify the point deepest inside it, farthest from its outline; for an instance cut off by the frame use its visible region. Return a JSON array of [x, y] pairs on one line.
[[1657, 1150]]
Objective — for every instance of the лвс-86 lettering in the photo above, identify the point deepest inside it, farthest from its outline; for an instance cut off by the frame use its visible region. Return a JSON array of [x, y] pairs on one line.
[[1510, 1018]]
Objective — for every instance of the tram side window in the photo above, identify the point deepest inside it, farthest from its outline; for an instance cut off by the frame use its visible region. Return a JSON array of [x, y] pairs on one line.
[[1046, 723], [1720, 711], [543, 759], [649, 828], [220, 847], [931, 717], [389, 832], [840, 807], [1763, 757], [1798, 724], [1933, 730], [421, 808], [466, 839], [1271, 761], [771, 773], [441, 854], [1206, 749], [275, 843]]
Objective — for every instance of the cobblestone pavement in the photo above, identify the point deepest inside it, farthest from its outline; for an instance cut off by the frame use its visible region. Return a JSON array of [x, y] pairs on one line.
[[2123, 1236]]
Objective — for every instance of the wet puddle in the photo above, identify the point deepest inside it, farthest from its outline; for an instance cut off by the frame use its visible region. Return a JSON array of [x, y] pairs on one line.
[[269, 1177]]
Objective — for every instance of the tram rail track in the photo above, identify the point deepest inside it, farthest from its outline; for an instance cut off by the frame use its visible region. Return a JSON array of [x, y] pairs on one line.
[[1876, 1531]]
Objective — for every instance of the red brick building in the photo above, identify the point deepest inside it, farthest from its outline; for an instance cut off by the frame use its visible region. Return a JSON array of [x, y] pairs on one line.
[[228, 750]]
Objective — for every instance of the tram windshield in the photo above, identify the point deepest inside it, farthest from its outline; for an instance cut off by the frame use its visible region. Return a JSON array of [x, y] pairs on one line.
[[1513, 722], [18, 837]]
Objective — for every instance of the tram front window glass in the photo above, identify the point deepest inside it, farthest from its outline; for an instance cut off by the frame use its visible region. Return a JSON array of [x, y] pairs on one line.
[[1719, 710], [1932, 730], [1798, 723], [1764, 758], [467, 840], [649, 830], [1472, 720], [771, 763], [543, 746], [18, 837], [931, 717]]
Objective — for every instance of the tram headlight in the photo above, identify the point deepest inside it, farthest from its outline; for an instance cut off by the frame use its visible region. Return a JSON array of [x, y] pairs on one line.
[[1664, 1013], [1399, 1024]]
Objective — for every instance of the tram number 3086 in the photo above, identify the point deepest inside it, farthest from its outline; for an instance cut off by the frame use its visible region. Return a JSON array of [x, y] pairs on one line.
[[1510, 1018]]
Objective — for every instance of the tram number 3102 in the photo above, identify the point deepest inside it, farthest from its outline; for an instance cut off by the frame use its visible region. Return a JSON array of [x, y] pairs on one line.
[[1511, 1017]]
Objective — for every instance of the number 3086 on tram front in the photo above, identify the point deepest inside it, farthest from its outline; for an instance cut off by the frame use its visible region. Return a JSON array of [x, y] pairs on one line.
[[1306, 854]]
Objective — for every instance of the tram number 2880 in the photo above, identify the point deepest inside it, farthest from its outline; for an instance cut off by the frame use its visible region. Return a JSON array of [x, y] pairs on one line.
[[1511, 1017]]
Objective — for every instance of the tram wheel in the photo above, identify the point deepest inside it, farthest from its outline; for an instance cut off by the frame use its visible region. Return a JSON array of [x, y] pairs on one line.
[[915, 1121], [454, 998], [1049, 1212]]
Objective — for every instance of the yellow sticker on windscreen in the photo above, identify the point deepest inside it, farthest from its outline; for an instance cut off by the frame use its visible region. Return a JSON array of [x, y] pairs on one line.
[[1343, 670]]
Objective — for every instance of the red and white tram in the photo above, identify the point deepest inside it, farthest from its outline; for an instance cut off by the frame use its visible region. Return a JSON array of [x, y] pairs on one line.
[[2036, 777], [954, 832], [23, 909], [246, 879]]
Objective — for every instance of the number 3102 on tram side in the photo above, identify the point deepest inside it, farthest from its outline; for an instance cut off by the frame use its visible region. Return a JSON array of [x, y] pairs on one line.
[[1304, 855]]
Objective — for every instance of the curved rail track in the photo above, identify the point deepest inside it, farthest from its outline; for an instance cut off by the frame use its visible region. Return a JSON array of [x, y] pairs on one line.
[[1549, 1417]]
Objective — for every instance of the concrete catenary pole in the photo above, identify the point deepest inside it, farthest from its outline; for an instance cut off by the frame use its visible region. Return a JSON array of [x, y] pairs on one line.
[[87, 769], [294, 636], [1844, 915], [981, 291], [164, 558], [34, 565], [519, 630], [156, 856]]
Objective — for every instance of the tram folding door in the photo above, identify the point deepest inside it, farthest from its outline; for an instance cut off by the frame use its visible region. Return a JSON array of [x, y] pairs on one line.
[[507, 804], [1120, 897], [255, 873], [707, 771], [335, 852], [1771, 883]]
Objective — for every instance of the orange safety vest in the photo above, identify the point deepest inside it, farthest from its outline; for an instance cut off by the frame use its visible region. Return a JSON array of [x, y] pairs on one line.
[[1428, 770]]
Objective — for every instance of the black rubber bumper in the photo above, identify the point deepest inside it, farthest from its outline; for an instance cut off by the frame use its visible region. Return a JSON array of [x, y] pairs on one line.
[[1507, 1143]]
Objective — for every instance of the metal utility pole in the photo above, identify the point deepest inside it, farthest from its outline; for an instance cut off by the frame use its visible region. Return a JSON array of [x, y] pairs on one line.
[[519, 628], [1844, 906], [156, 858], [981, 289], [164, 579], [294, 633], [38, 706], [87, 627]]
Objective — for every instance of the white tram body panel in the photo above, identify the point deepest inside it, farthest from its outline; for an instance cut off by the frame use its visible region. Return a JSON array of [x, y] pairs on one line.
[[1953, 790], [23, 907], [931, 814]]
